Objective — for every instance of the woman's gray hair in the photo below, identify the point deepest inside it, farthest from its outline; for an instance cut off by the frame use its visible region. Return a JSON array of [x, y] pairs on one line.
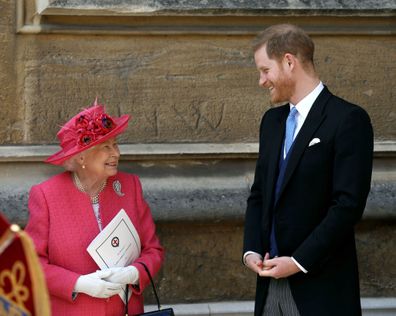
[[71, 164]]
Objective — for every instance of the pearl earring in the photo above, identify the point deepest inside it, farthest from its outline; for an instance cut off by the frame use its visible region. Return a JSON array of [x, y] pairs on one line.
[[83, 166]]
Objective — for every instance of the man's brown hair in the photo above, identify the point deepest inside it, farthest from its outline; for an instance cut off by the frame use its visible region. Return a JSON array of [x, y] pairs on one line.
[[281, 39]]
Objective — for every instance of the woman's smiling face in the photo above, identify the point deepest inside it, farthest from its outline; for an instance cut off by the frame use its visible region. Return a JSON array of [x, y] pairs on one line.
[[101, 161]]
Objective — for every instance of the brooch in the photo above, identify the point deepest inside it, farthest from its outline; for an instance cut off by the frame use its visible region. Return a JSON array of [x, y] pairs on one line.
[[117, 188]]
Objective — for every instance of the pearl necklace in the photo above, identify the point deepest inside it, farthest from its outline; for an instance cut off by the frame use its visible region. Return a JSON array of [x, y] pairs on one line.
[[80, 187]]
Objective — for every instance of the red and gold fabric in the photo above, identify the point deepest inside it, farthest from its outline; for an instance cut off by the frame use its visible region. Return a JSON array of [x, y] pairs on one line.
[[22, 285]]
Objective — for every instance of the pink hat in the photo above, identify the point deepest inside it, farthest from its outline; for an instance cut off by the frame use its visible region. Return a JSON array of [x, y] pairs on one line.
[[88, 128]]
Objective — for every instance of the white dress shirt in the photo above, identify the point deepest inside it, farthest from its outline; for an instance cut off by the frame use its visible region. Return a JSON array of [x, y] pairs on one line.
[[303, 107]]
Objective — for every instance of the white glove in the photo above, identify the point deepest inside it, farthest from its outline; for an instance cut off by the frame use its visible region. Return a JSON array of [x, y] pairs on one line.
[[123, 275], [93, 285]]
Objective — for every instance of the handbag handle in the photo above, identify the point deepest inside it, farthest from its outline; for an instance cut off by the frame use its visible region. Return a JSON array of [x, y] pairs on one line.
[[152, 283]]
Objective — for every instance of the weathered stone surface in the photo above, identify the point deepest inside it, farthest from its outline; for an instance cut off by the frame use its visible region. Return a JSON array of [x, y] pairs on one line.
[[172, 90], [343, 66], [188, 190], [376, 244], [222, 5], [187, 89], [203, 262], [11, 122], [382, 200]]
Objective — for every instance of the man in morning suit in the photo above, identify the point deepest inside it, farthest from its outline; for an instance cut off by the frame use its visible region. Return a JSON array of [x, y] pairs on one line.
[[311, 183]]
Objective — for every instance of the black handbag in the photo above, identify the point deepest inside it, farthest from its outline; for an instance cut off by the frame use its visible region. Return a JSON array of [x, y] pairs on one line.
[[159, 312]]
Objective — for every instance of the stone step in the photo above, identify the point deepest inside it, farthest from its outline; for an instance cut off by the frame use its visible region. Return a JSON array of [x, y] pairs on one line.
[[378, 306]]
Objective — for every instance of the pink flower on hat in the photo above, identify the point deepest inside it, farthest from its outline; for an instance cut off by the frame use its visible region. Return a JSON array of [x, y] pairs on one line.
[[90, 127]]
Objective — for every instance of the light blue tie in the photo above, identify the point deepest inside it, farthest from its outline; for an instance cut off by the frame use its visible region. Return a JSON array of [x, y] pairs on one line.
[[291, 124]]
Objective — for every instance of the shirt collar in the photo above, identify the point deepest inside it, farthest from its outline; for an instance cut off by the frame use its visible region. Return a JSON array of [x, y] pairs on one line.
[[306, 103]]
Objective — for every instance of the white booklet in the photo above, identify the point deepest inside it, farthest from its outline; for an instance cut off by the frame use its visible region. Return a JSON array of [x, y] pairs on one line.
[[117, 245]]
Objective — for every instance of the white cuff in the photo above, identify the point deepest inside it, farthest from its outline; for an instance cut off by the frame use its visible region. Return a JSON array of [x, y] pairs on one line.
[[299, 265], [250, 253]]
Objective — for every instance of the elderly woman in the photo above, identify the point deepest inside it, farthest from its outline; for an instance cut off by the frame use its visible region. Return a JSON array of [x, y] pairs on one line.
[[70, 209]]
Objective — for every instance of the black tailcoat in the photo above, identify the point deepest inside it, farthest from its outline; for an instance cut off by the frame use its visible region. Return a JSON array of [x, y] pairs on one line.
[[322, 197]]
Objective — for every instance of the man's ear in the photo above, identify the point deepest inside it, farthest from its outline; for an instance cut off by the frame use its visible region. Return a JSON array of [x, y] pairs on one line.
[[289, 60]]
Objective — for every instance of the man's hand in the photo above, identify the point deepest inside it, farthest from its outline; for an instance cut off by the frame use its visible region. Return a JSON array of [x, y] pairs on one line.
[[278, 267], [254, 262]]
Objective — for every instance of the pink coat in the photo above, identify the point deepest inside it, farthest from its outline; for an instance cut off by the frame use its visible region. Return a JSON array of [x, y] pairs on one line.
[[62, 224]]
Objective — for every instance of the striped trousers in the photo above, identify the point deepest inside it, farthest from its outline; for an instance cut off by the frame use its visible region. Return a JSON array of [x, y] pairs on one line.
[[280, 301]]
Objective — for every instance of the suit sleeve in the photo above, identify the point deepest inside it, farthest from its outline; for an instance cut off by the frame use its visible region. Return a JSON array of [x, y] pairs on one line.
[[38, 229], [352, 167], [253, 240], [152, 254]]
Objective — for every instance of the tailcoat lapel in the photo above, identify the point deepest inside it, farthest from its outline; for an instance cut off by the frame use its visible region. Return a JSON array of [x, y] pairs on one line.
[[275, 148], [314, 119]]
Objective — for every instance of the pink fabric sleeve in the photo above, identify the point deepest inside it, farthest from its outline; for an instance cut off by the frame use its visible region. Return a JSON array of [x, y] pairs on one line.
[[60, 281], [152, 252]]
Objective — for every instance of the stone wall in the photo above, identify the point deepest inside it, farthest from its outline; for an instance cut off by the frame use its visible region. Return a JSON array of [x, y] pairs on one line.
[[184, 71]]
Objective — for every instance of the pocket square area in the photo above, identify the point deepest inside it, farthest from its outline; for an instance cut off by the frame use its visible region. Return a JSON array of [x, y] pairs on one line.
[[314, 141]]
